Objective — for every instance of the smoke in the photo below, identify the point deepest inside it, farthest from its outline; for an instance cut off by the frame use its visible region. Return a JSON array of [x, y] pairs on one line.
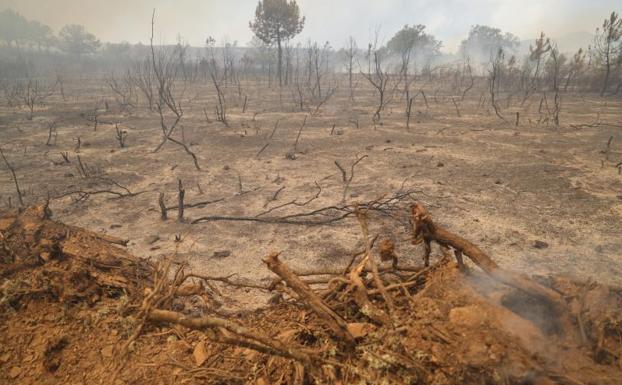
[[327, 20]]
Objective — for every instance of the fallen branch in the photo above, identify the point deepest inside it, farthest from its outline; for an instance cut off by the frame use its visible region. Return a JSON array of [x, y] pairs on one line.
[[188, 151], [274, 196], [229, 282], [262, 150], [334, 321], [200, 204], [232, 334], [84, 194], [322, 216], [362, 217], [425, 230], [290, 203], [361, 297]]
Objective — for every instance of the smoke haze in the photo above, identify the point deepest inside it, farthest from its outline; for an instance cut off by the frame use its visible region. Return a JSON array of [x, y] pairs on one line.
[[327, 20]]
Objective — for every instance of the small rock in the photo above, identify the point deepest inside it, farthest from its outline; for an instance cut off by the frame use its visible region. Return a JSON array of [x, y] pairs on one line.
[[355, 195], [498, 181], [290, 156], [226, 168], [15, 372], [338, 132], [221, 254], [538, 244], [440, 164], [200, 353], [152, 239]]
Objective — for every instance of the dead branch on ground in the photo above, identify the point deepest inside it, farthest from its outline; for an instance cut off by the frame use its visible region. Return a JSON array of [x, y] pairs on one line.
[[111, 187], [386, 206], [347, 179]]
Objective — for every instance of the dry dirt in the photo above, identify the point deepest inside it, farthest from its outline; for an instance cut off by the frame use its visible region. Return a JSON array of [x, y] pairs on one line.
[[541, 200]]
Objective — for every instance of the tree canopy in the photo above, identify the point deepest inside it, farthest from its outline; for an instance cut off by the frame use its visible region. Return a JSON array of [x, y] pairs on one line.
[[15, 28], [483, 42], [414, 40], [277, 20], [76, 40], [608, 46]]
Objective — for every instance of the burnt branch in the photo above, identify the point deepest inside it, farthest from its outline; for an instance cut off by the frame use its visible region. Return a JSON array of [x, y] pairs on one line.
[[347, 179], [386, 206], [12, 171], [121, 135], [304, 122], [52, 133]]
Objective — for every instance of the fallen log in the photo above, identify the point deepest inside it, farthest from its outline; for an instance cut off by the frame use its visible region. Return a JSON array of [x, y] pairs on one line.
[[426, 231]]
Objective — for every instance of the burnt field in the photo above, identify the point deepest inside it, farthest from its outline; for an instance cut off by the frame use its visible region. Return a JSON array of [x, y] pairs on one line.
[[540, 197]]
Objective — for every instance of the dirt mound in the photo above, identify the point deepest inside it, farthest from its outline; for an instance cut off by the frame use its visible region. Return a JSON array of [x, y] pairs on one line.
[[76, 308]]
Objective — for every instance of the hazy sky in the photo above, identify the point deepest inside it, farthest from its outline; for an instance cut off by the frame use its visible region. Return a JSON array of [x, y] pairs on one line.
[[332, 20]]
